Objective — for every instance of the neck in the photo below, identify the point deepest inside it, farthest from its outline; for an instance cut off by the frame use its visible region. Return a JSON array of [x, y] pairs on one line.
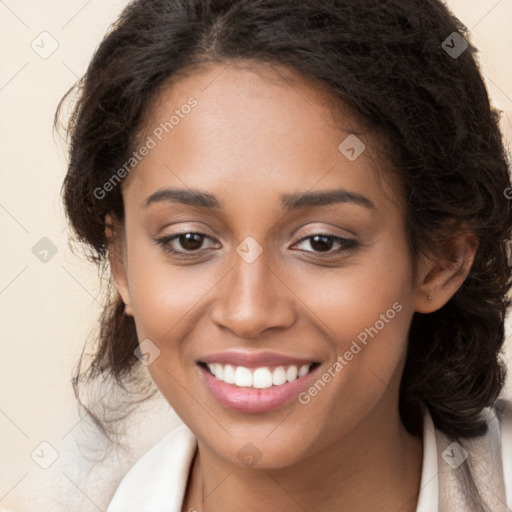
[[375, 467]]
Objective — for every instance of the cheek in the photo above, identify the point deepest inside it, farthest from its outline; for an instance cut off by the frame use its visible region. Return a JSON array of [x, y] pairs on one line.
[[163, 293], [367, 323], [366, 311], [364, 295], [166, 300]]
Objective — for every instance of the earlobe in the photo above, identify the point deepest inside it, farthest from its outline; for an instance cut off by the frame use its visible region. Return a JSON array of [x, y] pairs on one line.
[[117, 259], [441, 277]]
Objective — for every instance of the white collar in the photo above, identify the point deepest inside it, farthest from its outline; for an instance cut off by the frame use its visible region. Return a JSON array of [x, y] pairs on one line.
[[170, 460], [428, 499]]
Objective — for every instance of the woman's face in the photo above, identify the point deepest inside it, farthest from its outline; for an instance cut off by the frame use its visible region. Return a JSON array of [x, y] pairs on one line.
[[257, 168]]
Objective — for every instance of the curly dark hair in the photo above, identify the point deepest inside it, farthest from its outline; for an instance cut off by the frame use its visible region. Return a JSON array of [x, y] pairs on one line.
[[386, 61]]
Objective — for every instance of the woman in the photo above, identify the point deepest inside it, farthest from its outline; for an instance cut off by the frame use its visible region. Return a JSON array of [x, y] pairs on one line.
[[303, 207]]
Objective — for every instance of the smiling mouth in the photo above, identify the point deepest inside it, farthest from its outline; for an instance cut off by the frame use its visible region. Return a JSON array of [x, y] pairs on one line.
[[258, 378]]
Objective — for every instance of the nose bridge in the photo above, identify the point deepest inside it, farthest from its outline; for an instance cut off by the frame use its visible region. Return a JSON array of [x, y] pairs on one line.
[[252, 298]]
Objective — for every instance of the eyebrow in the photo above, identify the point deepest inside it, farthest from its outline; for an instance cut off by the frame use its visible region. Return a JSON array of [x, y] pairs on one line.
[[289, 202]]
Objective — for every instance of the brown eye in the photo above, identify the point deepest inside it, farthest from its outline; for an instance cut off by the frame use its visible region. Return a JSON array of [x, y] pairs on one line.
[[183, 244], [191, 241], [323, 243]]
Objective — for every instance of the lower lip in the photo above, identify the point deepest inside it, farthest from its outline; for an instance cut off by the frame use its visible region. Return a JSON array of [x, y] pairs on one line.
[[251, 400]]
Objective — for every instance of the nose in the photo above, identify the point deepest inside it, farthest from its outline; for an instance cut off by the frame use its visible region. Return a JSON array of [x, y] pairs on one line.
[[253, 298]]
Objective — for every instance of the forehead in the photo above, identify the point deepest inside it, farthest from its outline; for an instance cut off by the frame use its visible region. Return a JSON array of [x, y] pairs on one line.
[[251, 128]]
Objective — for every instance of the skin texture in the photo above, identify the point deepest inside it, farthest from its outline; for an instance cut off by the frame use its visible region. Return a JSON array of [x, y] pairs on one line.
[[253, 136]]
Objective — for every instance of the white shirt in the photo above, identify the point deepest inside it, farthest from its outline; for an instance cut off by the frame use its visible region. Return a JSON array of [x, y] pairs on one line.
[[157, 481]]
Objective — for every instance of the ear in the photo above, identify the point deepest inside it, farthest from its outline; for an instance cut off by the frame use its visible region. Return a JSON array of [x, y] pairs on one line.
[[117, 259], [441, 276]]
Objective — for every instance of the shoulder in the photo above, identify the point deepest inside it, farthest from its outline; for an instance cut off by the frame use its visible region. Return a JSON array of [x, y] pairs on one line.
[[496, 443], [483, 462], [501, 416], [157, 481]]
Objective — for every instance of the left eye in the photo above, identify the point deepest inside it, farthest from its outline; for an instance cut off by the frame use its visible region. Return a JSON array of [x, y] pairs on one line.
[[323, 243]]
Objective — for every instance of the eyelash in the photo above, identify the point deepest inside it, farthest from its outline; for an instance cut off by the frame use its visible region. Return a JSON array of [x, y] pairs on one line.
[[346, 244]]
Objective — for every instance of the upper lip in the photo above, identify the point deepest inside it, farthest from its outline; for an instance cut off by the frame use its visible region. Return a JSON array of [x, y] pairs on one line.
[[255, 360]]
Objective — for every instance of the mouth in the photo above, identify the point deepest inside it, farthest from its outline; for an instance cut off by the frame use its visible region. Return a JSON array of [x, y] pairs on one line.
[[260, 377], [257, 389]]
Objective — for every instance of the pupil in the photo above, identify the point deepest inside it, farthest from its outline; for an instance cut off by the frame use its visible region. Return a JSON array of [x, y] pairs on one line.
[[320, 242], [187, 241]]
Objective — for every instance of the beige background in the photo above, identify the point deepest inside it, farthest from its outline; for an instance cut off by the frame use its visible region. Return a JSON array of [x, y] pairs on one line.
[[47, 309]]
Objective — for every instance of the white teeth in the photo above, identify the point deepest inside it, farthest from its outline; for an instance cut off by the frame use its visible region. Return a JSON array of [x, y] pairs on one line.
[[291, 373], [279, 376], [259, 378], [243, 377], [303, 370], [229, 374], [218, 370]]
